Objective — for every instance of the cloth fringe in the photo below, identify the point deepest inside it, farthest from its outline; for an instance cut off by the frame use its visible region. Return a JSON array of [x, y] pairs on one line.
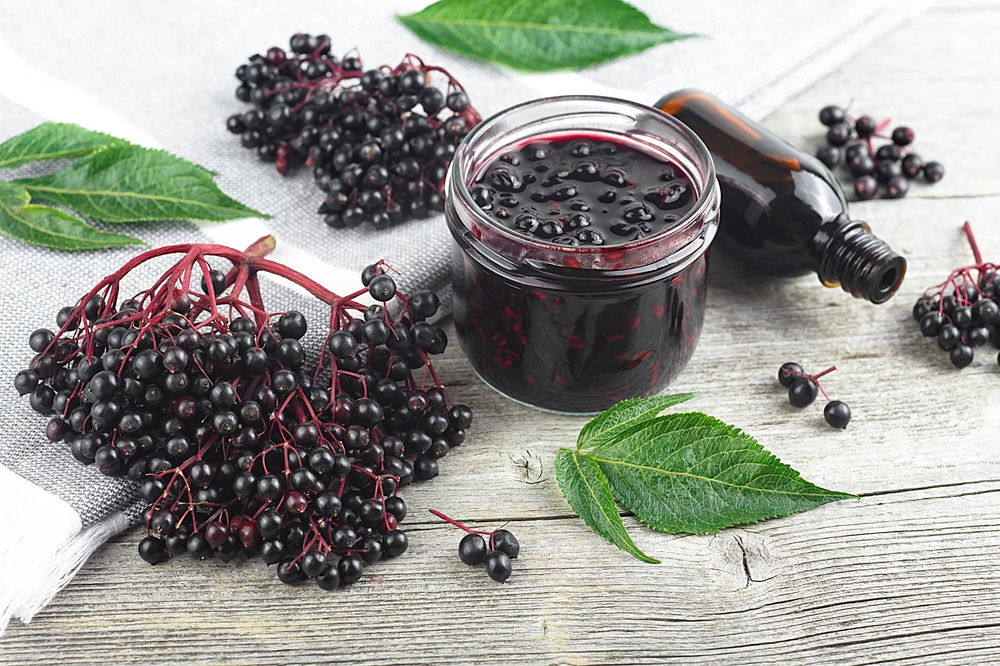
[[67, 562], [34, 526]]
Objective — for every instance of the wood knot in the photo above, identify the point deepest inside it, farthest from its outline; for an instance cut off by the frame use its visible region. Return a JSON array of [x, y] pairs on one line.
[[746, 557], [527, 466]]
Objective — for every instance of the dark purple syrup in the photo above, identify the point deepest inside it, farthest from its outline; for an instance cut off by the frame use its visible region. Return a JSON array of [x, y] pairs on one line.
[[561, 336], [584, 191]]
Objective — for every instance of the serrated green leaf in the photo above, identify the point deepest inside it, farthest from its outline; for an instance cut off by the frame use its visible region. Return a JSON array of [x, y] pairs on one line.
[[693, 473], [616, 421], [50, 141], [127, 183], [41, 225], [538, 35], [587, 491]]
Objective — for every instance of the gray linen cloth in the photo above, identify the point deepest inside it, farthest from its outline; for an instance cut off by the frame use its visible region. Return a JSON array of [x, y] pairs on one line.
[[162, 74]]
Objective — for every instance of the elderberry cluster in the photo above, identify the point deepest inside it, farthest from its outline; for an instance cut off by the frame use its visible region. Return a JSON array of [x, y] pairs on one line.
[[803, 389], [241, 438], [472, 549], [963, 316], [892, 165], [963, 312], [379, 141]]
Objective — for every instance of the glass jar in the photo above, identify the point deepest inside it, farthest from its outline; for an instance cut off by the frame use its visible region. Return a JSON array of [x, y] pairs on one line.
[[577, 328]]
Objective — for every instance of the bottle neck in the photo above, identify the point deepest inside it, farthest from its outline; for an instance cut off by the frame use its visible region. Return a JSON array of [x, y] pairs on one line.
[[861, 263]]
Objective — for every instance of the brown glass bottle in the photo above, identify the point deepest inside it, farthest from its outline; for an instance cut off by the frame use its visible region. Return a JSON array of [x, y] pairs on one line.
[[782, 210]]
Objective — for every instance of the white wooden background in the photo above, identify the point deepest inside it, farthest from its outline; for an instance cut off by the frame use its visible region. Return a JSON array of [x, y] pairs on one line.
[[909, 574]]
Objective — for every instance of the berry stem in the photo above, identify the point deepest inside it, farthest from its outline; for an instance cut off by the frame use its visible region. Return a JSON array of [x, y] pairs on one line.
[[972, 242], [458, 524]]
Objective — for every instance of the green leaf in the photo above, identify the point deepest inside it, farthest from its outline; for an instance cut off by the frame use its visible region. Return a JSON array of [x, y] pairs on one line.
[[538, 35], [50, 141], [41, 225], [587, 491], [616, 421], [127, 183], [693, 473]]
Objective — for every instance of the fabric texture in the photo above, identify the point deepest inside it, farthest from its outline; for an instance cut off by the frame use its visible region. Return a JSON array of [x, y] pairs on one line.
[[164, 70]]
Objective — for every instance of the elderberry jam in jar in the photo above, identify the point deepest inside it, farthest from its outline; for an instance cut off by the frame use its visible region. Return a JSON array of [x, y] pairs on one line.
[[582, 227]]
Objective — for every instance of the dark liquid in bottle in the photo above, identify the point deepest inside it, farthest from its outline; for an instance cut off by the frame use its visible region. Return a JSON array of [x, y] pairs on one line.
[[782, 210]]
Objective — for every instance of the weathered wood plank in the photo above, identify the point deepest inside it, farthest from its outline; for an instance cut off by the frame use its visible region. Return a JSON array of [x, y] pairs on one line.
[[905, 575]]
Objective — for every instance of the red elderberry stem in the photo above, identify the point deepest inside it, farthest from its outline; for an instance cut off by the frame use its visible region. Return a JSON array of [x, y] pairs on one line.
[[972, 242], [459, 525]]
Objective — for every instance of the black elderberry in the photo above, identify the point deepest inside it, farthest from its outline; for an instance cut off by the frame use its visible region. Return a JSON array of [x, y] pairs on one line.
[[830, 115], [396, 506], [498, 566], [329, 578], [802, 392], [839, 134], [829, 155], [382, 288], [289, 571], [886, 171], [986, 310], [472, 549], [962, 317], [913, 165], [458, 101], [961, 355], [888, 153], [788, 373], [394, 543], [897, 187], [837, 414], [949, 337], [977, 336], [933, 172], [931, 323], [152, 550], [902, 136], [26, 381], [506, 542], [865, 127]]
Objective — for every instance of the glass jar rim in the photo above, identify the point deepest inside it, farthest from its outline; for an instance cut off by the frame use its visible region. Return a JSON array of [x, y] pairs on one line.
[[692, 232]]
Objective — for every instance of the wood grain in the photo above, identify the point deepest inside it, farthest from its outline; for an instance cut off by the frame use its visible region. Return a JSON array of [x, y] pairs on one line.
[[906, 575]]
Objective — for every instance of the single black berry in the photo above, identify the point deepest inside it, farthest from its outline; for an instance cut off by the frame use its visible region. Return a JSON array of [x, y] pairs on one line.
[[933, 172], [506, 542], [498, 566], [788, 373], [802, 392], [961, 355], [472, 549], [837, 414], [829, 115]]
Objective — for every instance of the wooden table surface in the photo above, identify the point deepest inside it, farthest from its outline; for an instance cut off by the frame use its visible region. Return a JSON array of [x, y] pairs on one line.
[[908, 574]]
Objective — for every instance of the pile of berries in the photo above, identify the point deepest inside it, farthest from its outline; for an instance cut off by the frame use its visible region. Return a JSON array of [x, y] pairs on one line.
[[963, 312], [241, 438], [849, 142], [472, 549], [803, 389], [378, 157]]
